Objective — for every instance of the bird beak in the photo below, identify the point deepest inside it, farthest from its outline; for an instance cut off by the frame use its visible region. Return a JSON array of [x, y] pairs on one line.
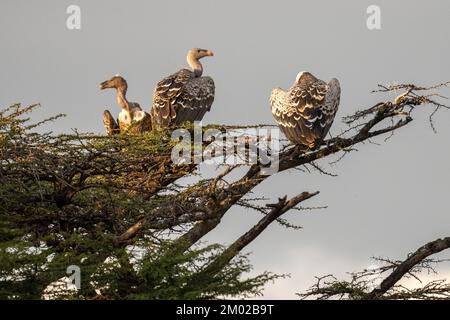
[[103, 85], [210, 53]]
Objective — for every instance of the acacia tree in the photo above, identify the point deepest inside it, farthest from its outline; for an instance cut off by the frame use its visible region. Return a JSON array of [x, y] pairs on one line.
[[113, 206], [372, 284]]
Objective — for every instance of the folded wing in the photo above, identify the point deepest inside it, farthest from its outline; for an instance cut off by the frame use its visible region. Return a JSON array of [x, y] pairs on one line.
[[182, 97], [306, 111]]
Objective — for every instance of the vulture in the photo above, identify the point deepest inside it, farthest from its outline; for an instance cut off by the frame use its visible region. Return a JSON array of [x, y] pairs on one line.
[[305, 112], [184, 95], [131, 114]]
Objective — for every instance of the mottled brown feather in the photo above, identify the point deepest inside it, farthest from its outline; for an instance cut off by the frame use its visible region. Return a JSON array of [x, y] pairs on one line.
[[306, 111], [181, 97], [110, 124]]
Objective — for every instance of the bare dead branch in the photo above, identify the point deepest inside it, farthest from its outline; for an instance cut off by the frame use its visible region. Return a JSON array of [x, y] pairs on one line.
[[278, 209], [403, 268], [363, 284]]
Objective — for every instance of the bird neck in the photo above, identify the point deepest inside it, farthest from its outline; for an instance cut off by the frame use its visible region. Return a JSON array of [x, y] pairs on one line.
[[195, 65], [122, 100]]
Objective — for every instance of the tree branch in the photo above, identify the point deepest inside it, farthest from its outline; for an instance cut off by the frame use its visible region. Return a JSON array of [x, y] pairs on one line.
[[405, 267], [225, 257], [361, 285]]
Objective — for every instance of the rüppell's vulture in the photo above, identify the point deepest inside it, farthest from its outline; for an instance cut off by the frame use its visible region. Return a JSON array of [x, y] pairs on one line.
[[305, 112], [184, 96]]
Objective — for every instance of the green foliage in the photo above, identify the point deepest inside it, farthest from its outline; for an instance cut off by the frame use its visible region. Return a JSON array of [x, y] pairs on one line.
[[65, 199]]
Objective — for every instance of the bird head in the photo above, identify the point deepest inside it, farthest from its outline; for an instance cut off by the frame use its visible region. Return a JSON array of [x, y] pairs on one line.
[[303, 76], [197, 53], [115, 82]]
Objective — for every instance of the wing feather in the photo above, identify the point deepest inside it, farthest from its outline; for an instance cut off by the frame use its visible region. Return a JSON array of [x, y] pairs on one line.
[[110, 124], [142, 124], [306, 111], [182, 97]]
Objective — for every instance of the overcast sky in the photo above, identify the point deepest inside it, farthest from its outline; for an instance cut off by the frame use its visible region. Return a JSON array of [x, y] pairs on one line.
[[387, 200]]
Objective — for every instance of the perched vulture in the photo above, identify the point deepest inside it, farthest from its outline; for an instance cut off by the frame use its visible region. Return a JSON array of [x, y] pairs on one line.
[[131, 114], [305, 112], [185, 95]]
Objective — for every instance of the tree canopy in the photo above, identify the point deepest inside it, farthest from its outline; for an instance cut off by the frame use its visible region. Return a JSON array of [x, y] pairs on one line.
[[112, 206]]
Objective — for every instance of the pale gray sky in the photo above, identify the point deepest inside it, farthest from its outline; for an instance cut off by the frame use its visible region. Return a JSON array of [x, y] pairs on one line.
[[387, 200]]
